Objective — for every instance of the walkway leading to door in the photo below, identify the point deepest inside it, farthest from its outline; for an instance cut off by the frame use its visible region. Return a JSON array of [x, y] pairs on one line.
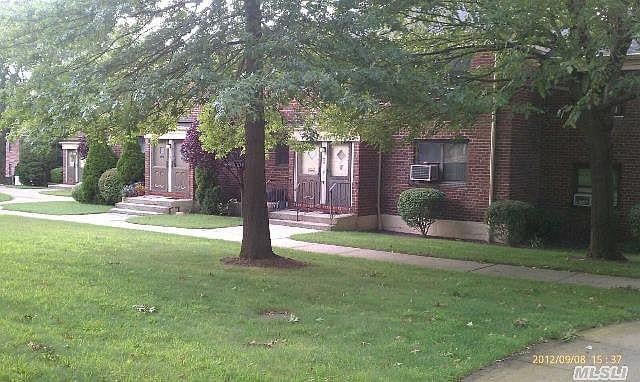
[[617, 345]]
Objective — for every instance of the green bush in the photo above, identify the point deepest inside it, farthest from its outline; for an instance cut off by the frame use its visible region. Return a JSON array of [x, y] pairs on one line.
[[55, 175], [110, 187], [546, 225], [131, 163], [511, 221], [75, 192], [99, 159], [634, 221], [207, 192], [32, 172], [419, 207]]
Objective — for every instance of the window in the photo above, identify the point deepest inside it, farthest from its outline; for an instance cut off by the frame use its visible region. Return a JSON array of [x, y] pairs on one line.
[[583, 182], [449, 155], [282, 155]]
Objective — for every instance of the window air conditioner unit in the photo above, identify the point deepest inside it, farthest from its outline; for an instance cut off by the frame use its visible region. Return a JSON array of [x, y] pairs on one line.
[[424, 172], [582, 200]]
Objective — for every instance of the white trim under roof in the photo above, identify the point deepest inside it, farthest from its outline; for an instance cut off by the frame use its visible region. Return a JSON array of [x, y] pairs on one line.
[[178, 134], [70, 145]]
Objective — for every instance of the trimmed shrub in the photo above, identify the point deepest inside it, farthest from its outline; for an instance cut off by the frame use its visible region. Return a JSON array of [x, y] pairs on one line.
[[131, 163], [99, 160], [32, 172], [75, 192], [110, 187], [546, 225], [634, 221], [511, 221], [55, 175], [207, 192], [418, 207]]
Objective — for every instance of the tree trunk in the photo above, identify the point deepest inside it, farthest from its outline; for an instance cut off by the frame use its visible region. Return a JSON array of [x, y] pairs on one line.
[[603, 241], [256, 238]]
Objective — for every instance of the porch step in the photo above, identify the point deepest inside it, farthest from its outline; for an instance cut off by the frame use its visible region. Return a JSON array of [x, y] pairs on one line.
[[144, 207], [183, 205], [302, 224], [127, 211], [152, 205], [309, 217]]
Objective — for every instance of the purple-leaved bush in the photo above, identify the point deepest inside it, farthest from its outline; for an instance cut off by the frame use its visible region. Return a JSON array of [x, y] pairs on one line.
[[192, 150], [83, 147]]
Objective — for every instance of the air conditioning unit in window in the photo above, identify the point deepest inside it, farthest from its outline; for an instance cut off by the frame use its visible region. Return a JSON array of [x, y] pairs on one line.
[[424, 172], [582, 200]]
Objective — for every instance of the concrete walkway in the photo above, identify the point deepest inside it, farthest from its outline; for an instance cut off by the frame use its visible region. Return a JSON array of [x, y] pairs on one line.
[[617, 345], [30, 195]]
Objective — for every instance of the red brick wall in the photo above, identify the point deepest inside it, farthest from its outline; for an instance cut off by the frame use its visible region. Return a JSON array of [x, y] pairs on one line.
[[464, 200], [563, 149], [365, 180], [12, 157], [280, 176]]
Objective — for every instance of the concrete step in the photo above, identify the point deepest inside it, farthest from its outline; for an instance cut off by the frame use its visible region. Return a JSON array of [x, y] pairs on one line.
[[301, 224], [310, 217], [183, 205], [133, 212], [144, 207]]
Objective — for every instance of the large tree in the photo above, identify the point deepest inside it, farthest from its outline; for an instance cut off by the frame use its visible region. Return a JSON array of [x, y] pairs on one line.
[[89, 65], [575, 50]]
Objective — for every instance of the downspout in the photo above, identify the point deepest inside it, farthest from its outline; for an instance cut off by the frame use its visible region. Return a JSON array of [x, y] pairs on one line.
[[378, 212], [492, 151]]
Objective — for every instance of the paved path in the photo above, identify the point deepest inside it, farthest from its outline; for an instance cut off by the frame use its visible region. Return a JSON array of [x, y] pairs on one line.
[[611, 343], [29, 195]]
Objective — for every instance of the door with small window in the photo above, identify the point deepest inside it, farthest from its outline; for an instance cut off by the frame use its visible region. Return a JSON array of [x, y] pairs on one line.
[[339, 174], [179, 169], [308, 178], [160, 166]]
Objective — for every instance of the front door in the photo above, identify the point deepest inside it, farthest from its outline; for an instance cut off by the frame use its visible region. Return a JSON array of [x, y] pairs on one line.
[[160, 167], [179, 169], [72, 166], [308, 182], [339, 174]]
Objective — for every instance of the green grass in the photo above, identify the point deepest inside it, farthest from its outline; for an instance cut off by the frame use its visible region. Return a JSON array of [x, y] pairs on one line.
[[187, 221], [58, 192], [499, 254], [58, 208], [4, 197], [71, 288]]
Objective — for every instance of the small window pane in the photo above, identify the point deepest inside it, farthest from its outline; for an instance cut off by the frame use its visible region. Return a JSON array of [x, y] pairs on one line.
[[429, 152], [455, 152], [282, 155], [584, 177]]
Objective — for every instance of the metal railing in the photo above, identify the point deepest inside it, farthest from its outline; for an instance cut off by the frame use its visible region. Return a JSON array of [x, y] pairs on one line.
[[339, 196], [307, 196], [277, 197]]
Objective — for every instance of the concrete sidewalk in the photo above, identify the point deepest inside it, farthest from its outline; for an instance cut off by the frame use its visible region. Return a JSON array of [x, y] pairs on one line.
[[617, 345]]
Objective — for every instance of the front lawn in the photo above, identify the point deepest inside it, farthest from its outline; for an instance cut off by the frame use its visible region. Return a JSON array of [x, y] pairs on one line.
[[58, 192], [187, 221], [499, 254], [69, 291], [58, 208], [4, 197]]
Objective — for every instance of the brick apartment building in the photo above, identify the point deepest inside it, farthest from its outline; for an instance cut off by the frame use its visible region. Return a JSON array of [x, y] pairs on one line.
[[503, 156]]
